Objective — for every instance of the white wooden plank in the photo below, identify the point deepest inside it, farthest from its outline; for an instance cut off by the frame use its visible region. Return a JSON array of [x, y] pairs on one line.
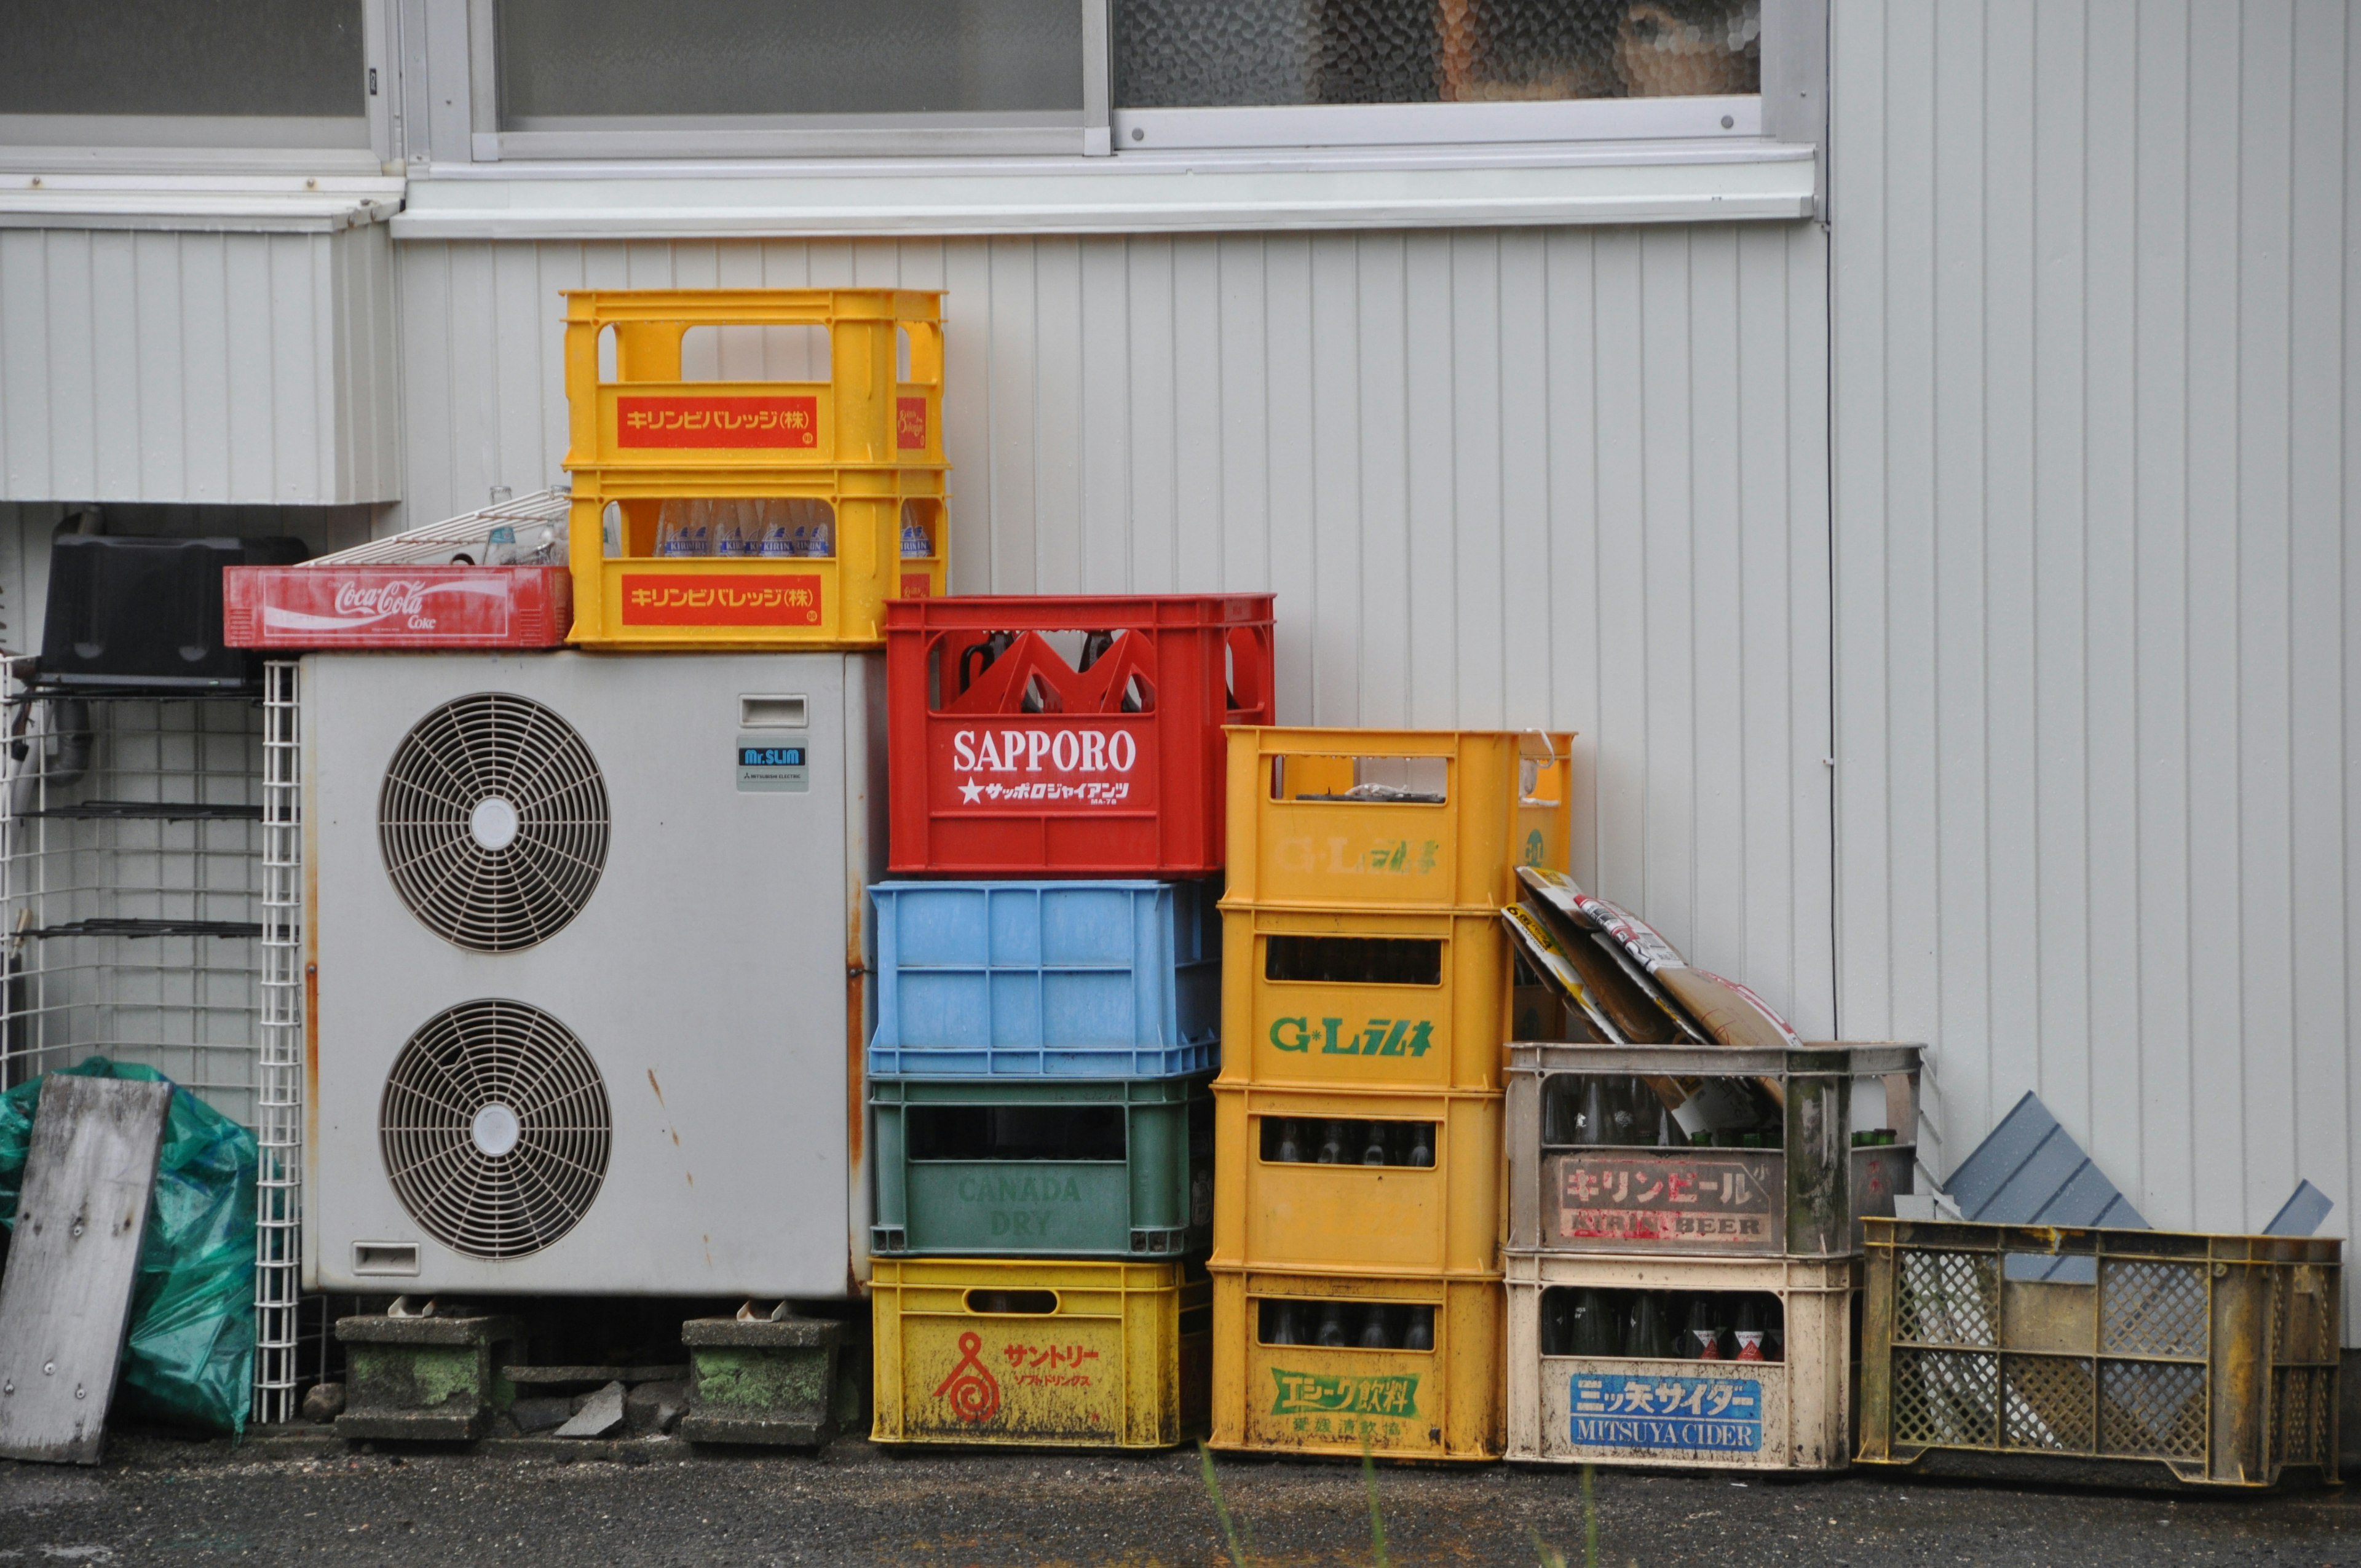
[[1620, 594], [2216, 982], [1430, 479], [2167, 1191], [1577, 593], [1009, 483], [2317, 611], [1056, 459], [2265, 740], [967, 432], [1865, 905], [1472, 428], [157, 361], [1524, 630], [1718, 634], [1330, 616], [2006, 771], [206, 364], [2059, 707], [1154, 510], [1292, 560], [247, 314], [1197, 454], [73, 1260], [70, 378], [1103, 441], [2111, 531], [1384, 432], [119, 394], [1242, 415]]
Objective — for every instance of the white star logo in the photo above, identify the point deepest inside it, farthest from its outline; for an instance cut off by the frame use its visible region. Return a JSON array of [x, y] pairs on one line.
[[969, 791]]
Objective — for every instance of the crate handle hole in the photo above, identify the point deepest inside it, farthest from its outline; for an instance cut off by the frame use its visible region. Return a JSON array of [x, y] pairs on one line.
[[1360, 780], [1012, 1303]]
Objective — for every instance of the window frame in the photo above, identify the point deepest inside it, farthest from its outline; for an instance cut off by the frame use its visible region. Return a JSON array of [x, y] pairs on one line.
[[1793, 42], [224, 141]]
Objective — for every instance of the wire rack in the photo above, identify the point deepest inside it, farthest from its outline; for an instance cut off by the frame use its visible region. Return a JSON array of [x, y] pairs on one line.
[[131, 887], [149, 893]]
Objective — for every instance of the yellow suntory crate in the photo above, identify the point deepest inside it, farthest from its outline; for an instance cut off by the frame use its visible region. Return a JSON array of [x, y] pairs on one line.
[[992, 1350], [851, 528], [1417, 1374], [1393, 818], [1362, 1000], [871, 359], [1372, 1182]]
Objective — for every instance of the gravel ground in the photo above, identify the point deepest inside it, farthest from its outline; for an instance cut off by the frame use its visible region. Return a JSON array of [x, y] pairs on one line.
[[160, 1502]]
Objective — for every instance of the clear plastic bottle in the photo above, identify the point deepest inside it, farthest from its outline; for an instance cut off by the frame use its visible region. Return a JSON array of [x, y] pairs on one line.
[[916, 543], [820, 530]]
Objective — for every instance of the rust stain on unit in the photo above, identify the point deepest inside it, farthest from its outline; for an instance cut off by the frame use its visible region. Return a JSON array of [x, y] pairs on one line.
[[854, 978], [659, 1089]]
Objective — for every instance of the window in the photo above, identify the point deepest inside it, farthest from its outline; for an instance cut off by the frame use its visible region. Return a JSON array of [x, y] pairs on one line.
[[284, 73], [699, 78], [1283, 72], [622, 77]]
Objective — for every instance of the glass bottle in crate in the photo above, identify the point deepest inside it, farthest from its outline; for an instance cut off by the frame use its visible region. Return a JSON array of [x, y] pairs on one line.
[[737, 528], [684, 528], [916, 542]]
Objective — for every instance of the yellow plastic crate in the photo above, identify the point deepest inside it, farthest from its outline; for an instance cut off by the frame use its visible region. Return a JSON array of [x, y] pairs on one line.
[[640, 600], [1792, 1414], [1437, 1021], [648, 417], [1352, 1217], [1443, 1402], [1296, 841], [989, 1351]]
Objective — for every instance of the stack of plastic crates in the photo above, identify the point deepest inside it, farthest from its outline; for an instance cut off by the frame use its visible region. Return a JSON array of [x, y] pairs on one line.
[[1042, 1129], [1678, 1305], [1357, 1234], [779, 501]]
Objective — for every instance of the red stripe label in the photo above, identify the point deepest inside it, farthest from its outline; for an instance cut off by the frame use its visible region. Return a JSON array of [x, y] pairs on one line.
[[910, 425], [715, 599], [784, 422]]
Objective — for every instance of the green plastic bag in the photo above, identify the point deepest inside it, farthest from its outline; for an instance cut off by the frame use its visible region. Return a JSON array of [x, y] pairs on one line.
[[189, 1359]]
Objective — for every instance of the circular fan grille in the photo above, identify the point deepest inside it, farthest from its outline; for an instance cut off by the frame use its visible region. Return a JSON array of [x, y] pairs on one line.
[[495, 1129], [493, 822]]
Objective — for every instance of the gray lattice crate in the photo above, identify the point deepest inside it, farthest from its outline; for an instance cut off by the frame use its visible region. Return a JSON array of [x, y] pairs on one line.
[[2216, 1356], [1806, 1199]]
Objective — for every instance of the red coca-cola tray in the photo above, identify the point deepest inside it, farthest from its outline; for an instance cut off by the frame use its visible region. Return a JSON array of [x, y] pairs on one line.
[[327, 605], [1016, 751]]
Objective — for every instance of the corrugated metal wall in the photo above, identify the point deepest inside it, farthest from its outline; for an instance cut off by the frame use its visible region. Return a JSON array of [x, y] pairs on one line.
[[2094, 380], [149, 365], [1568, 478]]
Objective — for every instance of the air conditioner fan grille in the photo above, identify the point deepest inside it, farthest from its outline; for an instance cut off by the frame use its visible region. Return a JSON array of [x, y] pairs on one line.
[[495, 1129], [493, 822]]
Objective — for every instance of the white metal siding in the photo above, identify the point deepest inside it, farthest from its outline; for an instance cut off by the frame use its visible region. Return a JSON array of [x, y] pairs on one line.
[[1571, 477], [175, 367], [2093, 373]]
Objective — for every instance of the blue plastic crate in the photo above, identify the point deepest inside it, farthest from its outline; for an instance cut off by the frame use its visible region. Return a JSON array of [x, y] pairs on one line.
[[1056, 979]]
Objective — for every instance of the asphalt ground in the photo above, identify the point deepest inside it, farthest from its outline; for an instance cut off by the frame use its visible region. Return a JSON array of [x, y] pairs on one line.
[[657, 1502]]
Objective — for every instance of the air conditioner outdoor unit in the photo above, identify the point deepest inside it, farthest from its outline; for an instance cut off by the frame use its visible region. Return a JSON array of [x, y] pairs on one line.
[[582, 927]]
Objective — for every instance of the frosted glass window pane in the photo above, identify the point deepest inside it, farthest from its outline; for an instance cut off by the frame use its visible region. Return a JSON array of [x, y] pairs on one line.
[[1237, 53], [570, 58], [182, 57]]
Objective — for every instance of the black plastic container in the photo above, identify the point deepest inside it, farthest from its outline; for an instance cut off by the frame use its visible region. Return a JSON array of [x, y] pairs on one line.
[[131, 611]]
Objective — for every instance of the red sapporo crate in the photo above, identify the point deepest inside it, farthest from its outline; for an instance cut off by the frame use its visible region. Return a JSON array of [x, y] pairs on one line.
[[1119, 769], [324, 605]]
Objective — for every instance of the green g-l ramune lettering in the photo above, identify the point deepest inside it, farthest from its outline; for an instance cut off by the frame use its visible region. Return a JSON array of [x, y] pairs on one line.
[[1331, 1037]]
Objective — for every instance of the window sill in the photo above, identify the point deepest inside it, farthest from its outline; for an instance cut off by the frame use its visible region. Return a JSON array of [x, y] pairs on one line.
[[285, 203], [1694, 180]]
